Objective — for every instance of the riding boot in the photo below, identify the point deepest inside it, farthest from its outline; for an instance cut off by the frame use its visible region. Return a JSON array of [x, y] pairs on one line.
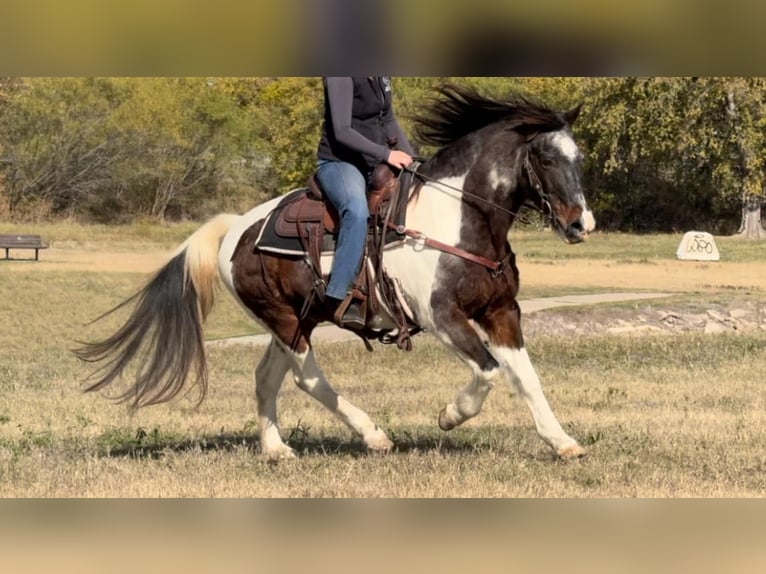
[[349, 317]]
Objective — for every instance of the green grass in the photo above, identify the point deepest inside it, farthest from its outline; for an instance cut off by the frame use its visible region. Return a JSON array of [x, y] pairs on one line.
[[52, 309]]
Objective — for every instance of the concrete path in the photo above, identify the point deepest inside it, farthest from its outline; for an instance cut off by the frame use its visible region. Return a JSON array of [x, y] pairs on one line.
[[332, 333], [532, 305]]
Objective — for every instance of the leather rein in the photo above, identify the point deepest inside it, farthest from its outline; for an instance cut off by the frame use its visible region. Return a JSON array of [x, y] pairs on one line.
[[496, 267]]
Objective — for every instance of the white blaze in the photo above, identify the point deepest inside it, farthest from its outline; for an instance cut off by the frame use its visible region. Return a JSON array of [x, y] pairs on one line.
[[566, 145], [589, 222]]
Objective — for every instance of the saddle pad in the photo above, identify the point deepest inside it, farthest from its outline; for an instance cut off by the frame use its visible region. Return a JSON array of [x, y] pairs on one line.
[[271, 240]]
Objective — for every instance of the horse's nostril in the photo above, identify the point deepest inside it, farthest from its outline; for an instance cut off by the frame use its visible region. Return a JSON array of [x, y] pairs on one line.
[[577, 226]]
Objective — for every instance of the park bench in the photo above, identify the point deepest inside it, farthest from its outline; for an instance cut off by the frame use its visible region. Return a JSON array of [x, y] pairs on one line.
[[21, 241]]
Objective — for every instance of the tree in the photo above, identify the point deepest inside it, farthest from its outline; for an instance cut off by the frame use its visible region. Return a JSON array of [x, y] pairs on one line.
[[56, 149], [744, 108], [661, 154], [112, 149], [664, 154], [184, 135], [287, 113]]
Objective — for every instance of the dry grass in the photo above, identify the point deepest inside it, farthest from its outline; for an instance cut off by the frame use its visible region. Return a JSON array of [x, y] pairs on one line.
[[662, 415]]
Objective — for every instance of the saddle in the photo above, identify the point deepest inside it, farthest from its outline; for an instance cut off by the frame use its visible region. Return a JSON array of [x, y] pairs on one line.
[[304, 223], [295, 218]]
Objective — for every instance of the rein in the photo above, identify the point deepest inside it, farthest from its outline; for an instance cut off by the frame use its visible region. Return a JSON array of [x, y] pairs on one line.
[[532, 176], [498, 266], [495, 266]]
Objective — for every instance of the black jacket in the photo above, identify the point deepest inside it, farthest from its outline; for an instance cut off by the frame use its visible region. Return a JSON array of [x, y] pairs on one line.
[[358, 122]]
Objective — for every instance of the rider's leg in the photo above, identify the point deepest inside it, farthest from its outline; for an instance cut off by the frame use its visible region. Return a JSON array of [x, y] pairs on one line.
[[345, 187]]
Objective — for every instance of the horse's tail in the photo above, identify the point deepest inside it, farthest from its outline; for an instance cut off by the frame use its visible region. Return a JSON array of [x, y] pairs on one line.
[[166, 324]]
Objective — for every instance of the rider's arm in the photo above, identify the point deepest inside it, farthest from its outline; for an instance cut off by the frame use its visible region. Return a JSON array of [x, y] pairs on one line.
[[340, 96], [395, 130]]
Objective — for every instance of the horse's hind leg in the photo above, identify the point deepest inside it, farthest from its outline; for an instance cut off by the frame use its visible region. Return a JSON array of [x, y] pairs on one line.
[[269, 375], [310, 378], [463, 340], [469, 401]]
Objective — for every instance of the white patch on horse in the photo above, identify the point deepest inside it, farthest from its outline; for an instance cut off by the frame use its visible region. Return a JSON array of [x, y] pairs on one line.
[[589, 222], [436, 214], [231, 239], [470, 399], [527, 383], [566, 145], [498, 180], [310, 378]]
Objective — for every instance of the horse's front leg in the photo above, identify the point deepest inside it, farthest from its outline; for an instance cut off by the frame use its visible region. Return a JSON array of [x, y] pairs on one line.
[[503, 327]]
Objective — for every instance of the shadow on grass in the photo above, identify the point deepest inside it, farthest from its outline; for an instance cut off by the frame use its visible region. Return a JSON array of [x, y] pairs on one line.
[[156, 443]]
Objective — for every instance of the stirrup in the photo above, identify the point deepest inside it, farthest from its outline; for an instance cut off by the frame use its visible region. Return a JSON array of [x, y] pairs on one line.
[[348, 315]]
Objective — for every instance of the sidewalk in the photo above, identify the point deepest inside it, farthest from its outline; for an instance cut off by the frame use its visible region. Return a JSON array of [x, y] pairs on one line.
[[332, 333]]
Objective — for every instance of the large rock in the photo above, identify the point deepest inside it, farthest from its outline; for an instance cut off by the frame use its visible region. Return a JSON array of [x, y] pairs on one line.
[[698, 246]]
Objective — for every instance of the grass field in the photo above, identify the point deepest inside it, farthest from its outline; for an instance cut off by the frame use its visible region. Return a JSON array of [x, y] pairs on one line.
[[662, 416]]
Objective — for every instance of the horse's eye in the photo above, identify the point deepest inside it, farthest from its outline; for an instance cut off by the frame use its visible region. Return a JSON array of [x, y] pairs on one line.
[[546, 162]]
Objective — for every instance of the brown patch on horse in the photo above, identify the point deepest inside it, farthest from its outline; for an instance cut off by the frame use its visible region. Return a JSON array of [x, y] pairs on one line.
[[274, 288], [502, 323], [565, 215]]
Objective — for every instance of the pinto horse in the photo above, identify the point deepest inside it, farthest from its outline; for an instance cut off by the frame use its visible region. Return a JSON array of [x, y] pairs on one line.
[[455, 272]]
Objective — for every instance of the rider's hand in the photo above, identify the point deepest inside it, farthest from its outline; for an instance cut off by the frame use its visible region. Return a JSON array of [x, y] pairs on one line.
[[399, 159]]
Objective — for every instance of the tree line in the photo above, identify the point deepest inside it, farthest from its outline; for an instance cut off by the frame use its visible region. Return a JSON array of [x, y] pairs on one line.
[[661, 154]]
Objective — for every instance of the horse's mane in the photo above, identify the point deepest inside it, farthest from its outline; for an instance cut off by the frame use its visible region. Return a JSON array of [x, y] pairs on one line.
[[457, 111]]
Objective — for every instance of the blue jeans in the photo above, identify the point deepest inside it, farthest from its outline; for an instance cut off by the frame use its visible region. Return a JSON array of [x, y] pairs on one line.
[[345, 187]]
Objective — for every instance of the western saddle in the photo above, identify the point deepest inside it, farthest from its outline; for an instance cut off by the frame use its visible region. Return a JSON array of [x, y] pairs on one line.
[[310, 218]]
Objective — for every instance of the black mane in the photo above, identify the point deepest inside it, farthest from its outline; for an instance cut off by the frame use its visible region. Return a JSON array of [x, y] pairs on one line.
[[459, 111]]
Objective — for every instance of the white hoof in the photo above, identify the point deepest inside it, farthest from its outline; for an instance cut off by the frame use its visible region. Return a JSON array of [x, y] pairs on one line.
[[378, 441], [279, 452], [447, 420], [571, 452]]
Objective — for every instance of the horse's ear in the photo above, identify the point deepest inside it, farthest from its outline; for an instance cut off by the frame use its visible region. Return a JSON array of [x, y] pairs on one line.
[[527, 130], [571, 116], [530, 134]]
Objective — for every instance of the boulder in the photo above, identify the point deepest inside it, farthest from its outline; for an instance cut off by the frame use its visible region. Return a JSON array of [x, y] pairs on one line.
[[698, 246]]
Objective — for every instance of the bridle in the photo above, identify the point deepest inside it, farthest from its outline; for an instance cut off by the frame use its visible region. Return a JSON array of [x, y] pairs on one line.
[[496, 267], [537, 185]]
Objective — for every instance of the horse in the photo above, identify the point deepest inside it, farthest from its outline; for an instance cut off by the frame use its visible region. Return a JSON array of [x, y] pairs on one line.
[[454, 270]]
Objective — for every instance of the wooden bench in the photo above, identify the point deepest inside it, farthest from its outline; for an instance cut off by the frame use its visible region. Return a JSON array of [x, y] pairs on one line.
[[19, 241]]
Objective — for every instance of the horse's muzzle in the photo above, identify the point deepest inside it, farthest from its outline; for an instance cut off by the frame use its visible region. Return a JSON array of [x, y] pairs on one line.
[[578, 230]]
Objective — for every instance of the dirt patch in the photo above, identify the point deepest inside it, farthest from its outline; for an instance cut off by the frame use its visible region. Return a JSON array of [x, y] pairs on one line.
[[579, 274], [737, 316], [741, 314], [662, 275], [111, 260]]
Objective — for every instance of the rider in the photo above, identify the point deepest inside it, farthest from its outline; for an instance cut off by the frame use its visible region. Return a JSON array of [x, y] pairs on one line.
[[358, 123]]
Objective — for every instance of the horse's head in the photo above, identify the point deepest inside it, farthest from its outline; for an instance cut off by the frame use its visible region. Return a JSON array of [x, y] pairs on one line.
[[478, 135], [553, 169]]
